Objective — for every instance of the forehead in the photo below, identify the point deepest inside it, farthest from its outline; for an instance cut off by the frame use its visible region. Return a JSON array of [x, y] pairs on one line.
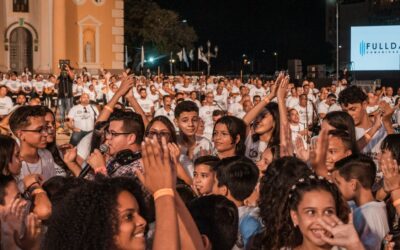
[[335, 142], [221, 126], [202, 168], [36, 121], [127, 201], [191, 114], [159, 125], [116, 125], [317, 199]]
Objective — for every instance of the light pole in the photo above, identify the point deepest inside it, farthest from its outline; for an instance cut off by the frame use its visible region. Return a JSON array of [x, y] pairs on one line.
[[276, 60], [337, 40], [210, 55]]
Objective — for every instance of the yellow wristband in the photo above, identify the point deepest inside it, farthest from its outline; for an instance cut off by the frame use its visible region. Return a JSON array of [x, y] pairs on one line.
[[396, 202], [163, 192], [108, 108]]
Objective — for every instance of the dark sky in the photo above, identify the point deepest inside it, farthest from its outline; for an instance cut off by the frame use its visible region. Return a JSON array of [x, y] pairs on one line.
[[293, 28]]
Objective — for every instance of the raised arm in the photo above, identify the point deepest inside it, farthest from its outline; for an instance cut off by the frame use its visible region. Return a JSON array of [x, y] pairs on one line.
[[126, 85], [286, 144], [135, 105], [252, 114]]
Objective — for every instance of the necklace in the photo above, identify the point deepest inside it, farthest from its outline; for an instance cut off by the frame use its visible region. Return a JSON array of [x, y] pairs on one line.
[[40, 166]]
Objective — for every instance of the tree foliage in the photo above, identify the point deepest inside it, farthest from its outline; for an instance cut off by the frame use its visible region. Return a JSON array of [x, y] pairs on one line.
[[158, 29]]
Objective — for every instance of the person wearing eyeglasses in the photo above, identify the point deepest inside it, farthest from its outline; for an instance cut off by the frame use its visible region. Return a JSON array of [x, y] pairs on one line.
[[125, 132], [28, 124], [82, 118]]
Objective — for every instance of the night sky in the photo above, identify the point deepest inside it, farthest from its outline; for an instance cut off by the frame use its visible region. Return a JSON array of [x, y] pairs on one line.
[[258, 28]]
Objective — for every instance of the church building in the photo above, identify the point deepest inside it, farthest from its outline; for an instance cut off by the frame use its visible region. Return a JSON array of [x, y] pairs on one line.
[[38, 33]]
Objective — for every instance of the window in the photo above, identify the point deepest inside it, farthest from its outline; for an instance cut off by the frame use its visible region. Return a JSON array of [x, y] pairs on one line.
[[21, 5]]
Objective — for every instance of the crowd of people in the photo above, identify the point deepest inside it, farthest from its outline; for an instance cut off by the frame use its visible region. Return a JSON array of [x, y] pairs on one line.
[[197, 162]]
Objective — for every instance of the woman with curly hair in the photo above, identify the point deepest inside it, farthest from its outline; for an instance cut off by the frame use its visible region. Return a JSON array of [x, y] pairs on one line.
[[315, 216], [101, 214], [274, 185]]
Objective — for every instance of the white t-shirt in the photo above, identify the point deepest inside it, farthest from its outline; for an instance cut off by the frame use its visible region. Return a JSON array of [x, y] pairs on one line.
[[236, 109], [205, 113], [374, 146], [146, 104], [257, 91], [92, 94], [45, 167], [99, 90], [6, 105], [201, 144], [13, 85], [221, 100], [26, 86], [334, 107], [83, 147], [254, 150], [38, 86], [323, 108], [371, 223], [303, 112], [83, 116], [291, 102], [169, 114]]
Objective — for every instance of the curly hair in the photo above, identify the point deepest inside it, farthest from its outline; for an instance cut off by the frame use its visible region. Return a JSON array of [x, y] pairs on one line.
[[87, 218], [280, 175], [352, 95], [292, 234]]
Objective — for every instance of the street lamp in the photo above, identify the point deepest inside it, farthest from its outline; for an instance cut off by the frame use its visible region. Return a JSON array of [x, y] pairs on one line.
[[337, 3], [276, 60], [210, 55]]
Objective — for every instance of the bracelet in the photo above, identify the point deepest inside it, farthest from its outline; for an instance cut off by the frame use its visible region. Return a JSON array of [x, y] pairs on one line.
[[163, 192], [396, 202], [102, 170], [108, 108]]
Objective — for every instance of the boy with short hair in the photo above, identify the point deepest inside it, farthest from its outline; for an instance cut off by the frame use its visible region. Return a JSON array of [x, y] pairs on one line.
[[354, 176], [236, 177], [192, 146], [204, 174], [217, 220]]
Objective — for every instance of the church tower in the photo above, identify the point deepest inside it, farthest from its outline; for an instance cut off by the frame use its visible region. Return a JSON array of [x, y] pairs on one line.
[[38, 33]]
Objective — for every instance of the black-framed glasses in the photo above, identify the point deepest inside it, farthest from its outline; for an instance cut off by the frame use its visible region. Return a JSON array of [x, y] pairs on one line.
[[158, 134], [112, 134], [43, 130]]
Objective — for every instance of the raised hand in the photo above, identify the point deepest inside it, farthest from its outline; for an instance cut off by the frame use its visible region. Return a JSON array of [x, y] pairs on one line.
[[282, 89], [96, 160], [318, 154], [301, 152], [391, 175], [158, 173], [342, 235], [70, 155], [126, 85]]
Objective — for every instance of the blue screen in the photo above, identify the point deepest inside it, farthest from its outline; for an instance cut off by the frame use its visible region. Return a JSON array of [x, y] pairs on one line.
[[375, 48]]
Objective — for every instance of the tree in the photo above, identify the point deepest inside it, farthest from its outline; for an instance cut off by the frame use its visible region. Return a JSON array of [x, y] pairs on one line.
[[159, 30]]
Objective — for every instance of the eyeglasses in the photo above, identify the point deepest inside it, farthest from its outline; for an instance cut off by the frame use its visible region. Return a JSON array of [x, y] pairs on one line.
[[159, 135], [43, 130], [110, 134]]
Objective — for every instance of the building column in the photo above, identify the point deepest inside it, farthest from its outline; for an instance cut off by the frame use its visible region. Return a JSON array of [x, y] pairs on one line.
[[46, 16], [59, 33], [3, 26]]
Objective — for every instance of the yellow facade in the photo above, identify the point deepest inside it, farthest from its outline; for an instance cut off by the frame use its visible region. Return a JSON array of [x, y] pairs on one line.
[[90, 33]]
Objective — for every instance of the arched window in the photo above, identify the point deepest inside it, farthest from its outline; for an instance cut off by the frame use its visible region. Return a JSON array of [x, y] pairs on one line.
[[21, 5]]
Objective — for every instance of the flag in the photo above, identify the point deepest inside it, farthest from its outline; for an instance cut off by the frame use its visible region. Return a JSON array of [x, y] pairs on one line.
[[202, 56], [191, 54], [142, 58], [180, 55], [185, 58]]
